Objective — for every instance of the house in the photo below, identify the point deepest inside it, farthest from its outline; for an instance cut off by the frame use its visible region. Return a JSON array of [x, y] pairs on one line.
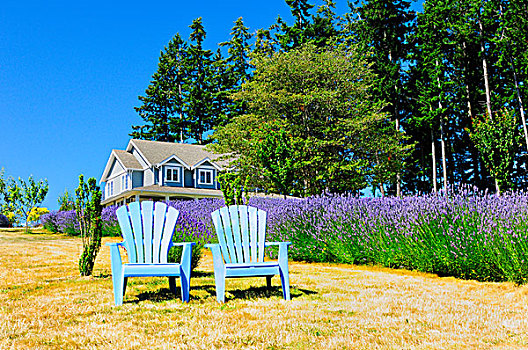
[[154, 170]]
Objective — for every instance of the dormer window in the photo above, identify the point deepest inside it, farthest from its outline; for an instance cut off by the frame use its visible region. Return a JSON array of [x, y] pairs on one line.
[[172, 174], [205, 177]]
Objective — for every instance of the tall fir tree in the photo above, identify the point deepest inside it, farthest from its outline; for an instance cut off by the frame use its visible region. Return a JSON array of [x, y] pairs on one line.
[[235, 70], [199, 106], [382, 27], [162, 104]]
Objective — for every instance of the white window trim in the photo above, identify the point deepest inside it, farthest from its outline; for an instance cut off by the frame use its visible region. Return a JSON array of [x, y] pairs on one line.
[[167, 168], [211, 171]]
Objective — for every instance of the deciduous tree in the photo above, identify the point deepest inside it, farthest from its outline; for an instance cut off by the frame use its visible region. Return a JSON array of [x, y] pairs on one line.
[[497, 139], [23, 196], [321, 100]]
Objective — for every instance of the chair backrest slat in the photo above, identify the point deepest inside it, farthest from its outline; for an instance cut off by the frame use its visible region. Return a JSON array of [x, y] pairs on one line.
[[241, 232], [134, 210], [244, 221], [217, 221], [166, 241], [253, 220], [261, 234], [159, 223], [126, 229], [228, 232], [146, 214], [235, 228]]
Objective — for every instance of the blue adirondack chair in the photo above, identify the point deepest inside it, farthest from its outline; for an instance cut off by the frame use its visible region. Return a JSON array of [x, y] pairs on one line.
[[241, 232], [147, 230]]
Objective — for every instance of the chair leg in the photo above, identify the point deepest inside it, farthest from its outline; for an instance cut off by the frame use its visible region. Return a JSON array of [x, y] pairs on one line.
[[185, 281], [268, 281], [285, 281], [119, 282], [185, 272], [119, 287], [172, 285], [220, 285]]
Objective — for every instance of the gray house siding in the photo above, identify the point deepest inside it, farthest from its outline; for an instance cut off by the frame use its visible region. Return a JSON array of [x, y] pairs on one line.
[[139, 158], [148, 177], [116, 169]]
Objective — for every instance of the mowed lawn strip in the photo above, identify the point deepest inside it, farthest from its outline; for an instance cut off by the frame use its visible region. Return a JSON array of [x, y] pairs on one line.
[[45, 304]]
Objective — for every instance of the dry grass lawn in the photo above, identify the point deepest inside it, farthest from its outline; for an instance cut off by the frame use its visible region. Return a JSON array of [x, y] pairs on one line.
[[44, 304]]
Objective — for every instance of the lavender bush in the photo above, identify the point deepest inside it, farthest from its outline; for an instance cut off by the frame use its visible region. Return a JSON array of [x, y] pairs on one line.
[[66, 222], [461, 233], [61, 222]]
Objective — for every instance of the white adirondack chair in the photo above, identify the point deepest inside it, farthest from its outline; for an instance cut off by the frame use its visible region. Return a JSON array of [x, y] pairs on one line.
[[147, 230], [241, 232]]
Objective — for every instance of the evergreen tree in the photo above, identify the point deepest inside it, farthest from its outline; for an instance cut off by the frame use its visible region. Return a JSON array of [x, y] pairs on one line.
[[320, 29], [290, 37], [199, 106], [382, 27], [234, 70], [162, 105], [317, 103]]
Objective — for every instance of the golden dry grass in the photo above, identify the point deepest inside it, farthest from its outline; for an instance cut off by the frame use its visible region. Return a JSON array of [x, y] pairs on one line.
[[44, 304]]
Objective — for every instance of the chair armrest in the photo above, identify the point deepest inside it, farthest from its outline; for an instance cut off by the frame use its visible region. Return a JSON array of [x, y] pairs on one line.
[[267, 244], [183, 243], [115, 255], [218, 260], [116, 244], [283, 250]]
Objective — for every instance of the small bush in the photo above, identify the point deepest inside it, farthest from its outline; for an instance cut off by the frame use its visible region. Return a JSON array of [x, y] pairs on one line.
[[49, 221]]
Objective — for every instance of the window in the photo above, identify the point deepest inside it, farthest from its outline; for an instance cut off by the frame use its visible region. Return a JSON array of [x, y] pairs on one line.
[[124, 182], [172, 174], [205, 177]]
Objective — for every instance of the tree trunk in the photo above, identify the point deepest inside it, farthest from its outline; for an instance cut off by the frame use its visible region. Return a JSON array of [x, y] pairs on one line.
[[443, 144], [181, 112], [398, 175], [466, 79], [382, 190], [397, 121], [442, 138], [521, 107], [485, 68], [433, 152]]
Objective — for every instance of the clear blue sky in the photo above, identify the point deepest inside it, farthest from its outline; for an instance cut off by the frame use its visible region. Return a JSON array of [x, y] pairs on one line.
[[71, 72]]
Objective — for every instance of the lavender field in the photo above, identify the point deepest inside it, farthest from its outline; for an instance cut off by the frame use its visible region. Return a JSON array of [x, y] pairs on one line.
[[461, 233]]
